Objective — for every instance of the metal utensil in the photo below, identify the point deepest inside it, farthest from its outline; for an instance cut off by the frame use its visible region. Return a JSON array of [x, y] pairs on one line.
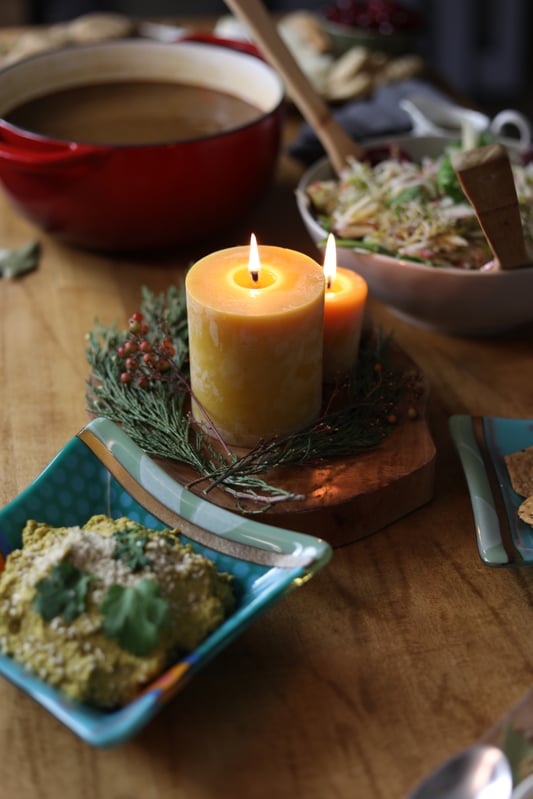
[[480, 772], [441, 118], [336, 142], [436, 117]]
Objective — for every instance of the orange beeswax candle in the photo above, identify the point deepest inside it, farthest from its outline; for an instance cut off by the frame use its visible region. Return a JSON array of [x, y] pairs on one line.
[[255, 319], [344, 308]]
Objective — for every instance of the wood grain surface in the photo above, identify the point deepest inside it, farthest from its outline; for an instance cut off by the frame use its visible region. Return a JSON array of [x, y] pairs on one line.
[[404, 649]]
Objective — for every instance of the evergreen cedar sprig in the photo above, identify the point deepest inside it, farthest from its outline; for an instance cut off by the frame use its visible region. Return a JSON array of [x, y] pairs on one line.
[[147, 362], [140, 380]]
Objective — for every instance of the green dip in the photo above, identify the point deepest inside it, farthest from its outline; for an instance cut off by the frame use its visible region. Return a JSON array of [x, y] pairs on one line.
[[78, 655]]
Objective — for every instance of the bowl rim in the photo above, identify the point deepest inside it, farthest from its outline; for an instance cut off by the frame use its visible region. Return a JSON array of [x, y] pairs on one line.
[[201, 45]]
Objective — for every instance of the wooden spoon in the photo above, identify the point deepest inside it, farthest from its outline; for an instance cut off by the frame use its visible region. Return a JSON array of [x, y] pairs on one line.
[[336, 142], [486, 176]]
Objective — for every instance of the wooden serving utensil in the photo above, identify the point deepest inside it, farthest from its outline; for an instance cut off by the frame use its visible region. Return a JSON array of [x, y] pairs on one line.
[[336, 142], [486, 176]]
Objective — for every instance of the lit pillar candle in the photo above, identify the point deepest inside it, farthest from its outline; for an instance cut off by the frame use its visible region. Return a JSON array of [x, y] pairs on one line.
[[344, 308], [255, 319]]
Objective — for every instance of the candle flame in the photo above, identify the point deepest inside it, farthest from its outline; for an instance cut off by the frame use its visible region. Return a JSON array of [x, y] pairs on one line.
[[254, 263], [330, 261]]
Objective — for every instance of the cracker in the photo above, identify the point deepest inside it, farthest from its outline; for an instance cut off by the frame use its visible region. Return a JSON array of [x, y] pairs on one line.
[[306, 28], [89, 28], [99, 27], [402, 68], [33, 42], [358, 86], [349, 65], [525, 511], [520, 467]]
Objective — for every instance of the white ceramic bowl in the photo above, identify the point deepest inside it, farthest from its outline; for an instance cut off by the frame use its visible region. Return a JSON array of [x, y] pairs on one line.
[[453, 301]]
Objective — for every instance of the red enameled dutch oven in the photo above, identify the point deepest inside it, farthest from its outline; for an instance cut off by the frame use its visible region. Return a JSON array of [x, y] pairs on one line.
[[149, 196]]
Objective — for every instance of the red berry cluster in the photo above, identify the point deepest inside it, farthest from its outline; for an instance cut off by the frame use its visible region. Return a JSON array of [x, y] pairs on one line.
[[144, 361], [380, 16]]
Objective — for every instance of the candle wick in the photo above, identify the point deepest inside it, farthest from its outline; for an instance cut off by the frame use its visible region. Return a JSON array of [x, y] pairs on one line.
[[328, 282], [255, 276]]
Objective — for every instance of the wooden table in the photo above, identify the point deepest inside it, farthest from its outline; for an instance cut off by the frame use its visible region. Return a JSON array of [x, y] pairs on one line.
[[402, 650]]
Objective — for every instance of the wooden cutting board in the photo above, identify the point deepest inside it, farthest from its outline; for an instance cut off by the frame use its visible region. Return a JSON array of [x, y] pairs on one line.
[[349, 499]]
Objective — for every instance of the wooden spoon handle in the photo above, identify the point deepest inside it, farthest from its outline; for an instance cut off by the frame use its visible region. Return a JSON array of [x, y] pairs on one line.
[[336, 142], [487, 178]]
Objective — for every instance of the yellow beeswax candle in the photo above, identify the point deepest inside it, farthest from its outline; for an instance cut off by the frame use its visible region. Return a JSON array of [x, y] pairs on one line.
[[344, 308], [255, 318]]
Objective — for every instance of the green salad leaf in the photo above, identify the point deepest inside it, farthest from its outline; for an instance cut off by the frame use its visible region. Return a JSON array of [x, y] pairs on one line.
[[447, 177], [409, 194], [134, 616], [449, 182]]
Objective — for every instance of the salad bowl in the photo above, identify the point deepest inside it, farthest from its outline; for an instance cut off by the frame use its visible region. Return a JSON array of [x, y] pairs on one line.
[[451, 300]]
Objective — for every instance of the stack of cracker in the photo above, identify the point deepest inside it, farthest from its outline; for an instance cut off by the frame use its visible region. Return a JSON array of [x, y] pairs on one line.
[[337, 78], [87, 29], [520, 468]]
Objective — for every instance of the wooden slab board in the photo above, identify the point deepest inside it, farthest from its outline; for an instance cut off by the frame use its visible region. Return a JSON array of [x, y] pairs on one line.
[[349, 499]]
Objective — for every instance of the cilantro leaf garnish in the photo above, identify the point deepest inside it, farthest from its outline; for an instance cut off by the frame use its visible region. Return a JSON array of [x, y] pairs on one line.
[[62, 593], [129, 548], [134, 616]]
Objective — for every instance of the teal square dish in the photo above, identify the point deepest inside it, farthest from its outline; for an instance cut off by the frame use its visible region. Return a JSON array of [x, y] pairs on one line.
[[100, 470], [503, 539]]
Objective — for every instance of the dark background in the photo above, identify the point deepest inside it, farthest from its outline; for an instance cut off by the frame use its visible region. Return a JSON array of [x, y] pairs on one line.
[[480, 47]]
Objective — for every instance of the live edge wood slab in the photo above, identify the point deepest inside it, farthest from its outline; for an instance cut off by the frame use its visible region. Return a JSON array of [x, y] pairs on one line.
[[349, 499]]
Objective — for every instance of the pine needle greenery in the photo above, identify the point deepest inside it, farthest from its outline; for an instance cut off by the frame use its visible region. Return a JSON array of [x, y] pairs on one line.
[[139, 378]]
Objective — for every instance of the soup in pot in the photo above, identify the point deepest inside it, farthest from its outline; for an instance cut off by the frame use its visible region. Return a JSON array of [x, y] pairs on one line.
[[133, 112]]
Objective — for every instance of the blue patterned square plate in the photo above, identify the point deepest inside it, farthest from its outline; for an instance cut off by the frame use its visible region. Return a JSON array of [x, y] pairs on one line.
[[101, 470], [482, 442]]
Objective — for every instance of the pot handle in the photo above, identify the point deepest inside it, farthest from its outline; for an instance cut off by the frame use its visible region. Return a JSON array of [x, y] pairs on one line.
[[34, 152]]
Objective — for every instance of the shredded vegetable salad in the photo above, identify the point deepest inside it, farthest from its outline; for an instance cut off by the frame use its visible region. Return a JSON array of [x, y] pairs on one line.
[[412, 211]]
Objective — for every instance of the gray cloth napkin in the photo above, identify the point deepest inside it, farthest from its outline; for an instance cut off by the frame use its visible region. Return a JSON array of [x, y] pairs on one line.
[[378, 115]]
